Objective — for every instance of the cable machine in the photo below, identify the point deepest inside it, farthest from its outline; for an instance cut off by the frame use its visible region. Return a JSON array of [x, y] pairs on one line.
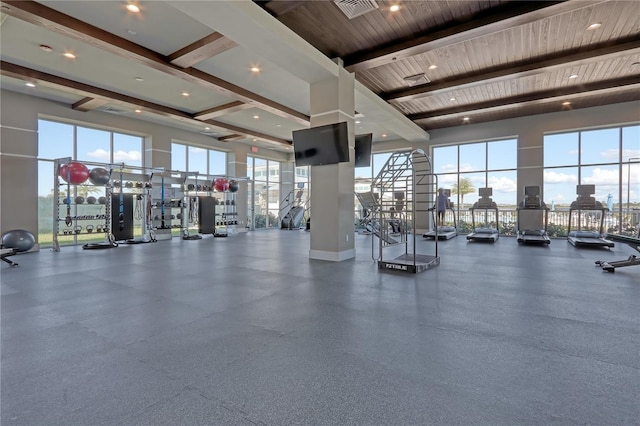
[[404, 187]]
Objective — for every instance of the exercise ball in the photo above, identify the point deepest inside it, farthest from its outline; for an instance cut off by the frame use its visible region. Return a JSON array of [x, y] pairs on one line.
[[99, 176], [128, 185], [221, 184], [234, 185], [102, 200], [79, 199], [91, 200], [74, 172], [19, 240]]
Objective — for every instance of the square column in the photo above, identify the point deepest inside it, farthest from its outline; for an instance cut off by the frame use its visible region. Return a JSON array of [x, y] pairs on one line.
[[332, 215]]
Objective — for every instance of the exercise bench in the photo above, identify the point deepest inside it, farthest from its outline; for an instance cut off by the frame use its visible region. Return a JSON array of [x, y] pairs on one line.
[[630, 261]]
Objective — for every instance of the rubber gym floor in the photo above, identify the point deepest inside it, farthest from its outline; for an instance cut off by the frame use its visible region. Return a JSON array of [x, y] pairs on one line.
[[247, 330]]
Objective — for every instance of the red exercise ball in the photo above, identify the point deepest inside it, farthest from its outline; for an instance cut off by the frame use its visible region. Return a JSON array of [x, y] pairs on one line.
[[221, 184], [74, 172]]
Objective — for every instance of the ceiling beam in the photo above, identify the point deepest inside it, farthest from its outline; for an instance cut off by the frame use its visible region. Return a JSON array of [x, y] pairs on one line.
[[203, 49], [527, 68], [220, 110], [88, 104], [87, 91], [564, 93], [485, 23], [66, 25], [230, 138]]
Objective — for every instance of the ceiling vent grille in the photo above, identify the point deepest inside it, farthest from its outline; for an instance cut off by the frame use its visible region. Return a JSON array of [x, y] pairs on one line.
[[112, 110], [354, 8], [414, 80]]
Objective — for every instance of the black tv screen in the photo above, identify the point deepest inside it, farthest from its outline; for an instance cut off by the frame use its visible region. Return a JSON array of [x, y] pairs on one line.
[[363, 150], [321, 145]]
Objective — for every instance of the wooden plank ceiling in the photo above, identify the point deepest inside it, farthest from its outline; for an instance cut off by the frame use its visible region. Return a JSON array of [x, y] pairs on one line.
[[477, 61]]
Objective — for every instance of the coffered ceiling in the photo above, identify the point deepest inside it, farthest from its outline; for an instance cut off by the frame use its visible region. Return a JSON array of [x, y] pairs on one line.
[[430, 64]]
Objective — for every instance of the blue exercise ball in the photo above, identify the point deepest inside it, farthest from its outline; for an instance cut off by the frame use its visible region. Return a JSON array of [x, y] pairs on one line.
[[19, 240]]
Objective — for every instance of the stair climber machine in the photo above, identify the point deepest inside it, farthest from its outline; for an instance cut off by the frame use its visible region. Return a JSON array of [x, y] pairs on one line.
[[484, 233], [292, 209], [526, 210], [586, 203], [405, 187], [441, 230]]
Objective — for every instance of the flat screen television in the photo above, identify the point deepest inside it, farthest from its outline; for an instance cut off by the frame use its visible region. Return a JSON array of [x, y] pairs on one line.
[[321, 145], [363, 150]]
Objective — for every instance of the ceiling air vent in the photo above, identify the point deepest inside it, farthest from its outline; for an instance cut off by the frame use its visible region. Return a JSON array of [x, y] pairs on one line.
[[414, 80], [353, 8], [113, 110]]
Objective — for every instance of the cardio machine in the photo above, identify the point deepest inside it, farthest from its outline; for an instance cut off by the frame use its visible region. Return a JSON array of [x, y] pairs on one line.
[[585, 202], [441, 231], [484, 233], [532, 203]]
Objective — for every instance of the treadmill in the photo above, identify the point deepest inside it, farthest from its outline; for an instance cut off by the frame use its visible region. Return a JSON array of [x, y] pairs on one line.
[[484, 233], [585, 202], [443, 232], [532, 203]]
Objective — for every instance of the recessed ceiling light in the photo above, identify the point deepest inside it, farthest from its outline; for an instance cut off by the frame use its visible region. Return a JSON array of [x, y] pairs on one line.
[[255, 69], [139, 79], [256, 117], [138, 111], [207, 128], [185, 94], [133, 8], [567, 103], [452, 99], [394, 8], [466, 119], [594, 25], [46, 48], [572, 76], [278, 125], [357, 121], [384, 135], [433, 67], [132, 32], [69, 55], [30, 84], [255, 140]]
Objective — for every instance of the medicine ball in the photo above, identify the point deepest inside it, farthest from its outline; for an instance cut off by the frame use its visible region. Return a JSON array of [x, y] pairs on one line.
[[79, 200], [91, 200], [102, 200], [233, 185]]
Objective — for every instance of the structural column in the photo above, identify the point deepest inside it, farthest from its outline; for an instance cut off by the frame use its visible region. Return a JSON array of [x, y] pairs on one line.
[[332, 205]]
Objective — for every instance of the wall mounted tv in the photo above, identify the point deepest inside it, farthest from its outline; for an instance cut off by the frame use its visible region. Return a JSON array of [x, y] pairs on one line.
[[321, 145], [363, 150]]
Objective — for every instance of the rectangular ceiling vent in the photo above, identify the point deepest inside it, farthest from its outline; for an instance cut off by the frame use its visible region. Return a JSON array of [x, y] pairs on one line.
[[417, 79], [354, 8], [113, 110]]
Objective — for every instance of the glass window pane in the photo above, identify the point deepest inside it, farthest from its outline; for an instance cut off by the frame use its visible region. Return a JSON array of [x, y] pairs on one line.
[[473, 157], [178, 157], [467, 187], [560, 187], [250, 167], [445, 159], [197, 160], [600, 146], [274, 171], [505, 188], [45, 203], [127, 149], [630, 143], [217, 162], [378, 161], [55, 140], [605, 178], [93, 145], [560, 149], [502, 154]]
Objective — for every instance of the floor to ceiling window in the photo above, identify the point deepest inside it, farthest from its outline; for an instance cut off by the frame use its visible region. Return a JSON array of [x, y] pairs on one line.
[[191, 158], [466, 168], [266, 195], [607, 158], [61, 140]]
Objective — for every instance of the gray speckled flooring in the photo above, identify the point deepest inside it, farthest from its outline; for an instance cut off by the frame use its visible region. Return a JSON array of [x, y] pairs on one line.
[[248, 330]]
